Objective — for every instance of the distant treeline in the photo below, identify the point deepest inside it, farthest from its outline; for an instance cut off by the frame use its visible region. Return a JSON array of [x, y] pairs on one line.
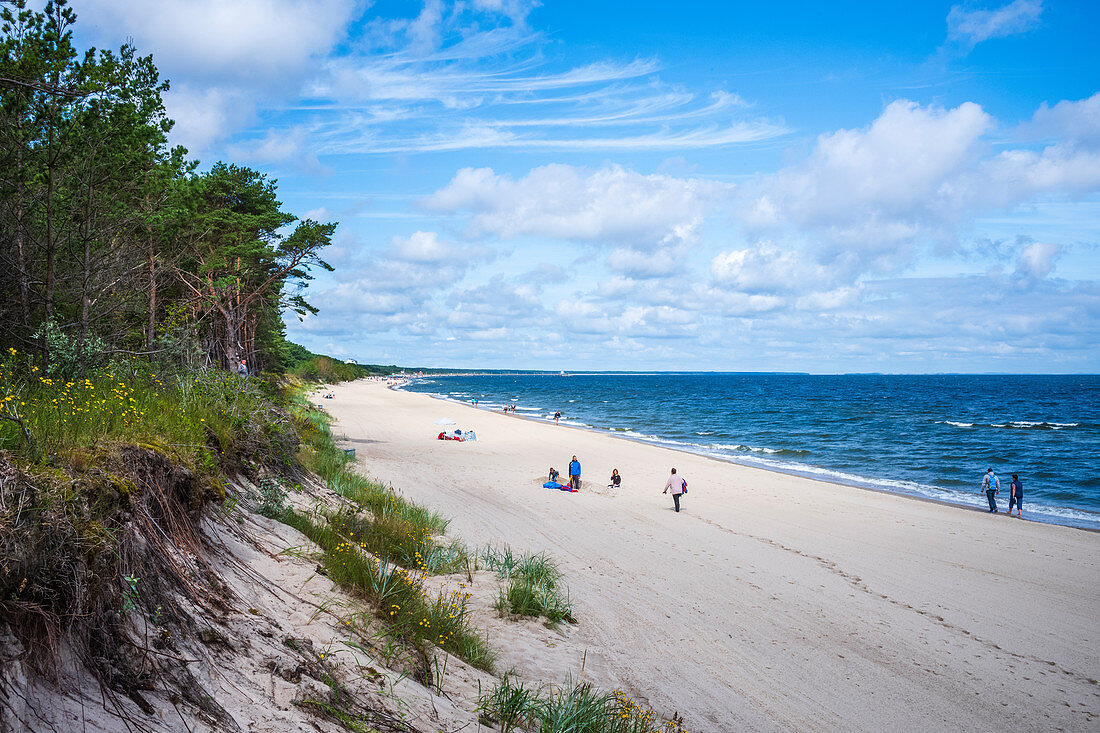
[[111, 241]]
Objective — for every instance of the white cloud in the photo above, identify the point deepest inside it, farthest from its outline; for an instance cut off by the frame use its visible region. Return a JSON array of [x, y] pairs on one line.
[[865, 200], [894, 168], [974, 26], [648, 263], [263, 40], [280, 146], [222, 57], [425, 247], [768, 269], [609, 204], [1075, 121], [1037, 260]]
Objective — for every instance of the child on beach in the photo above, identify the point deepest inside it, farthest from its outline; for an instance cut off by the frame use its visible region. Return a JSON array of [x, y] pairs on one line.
[[553, 476], [616, 479]]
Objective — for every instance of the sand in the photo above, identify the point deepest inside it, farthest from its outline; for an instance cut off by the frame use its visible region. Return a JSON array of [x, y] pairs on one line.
[[771, 602]]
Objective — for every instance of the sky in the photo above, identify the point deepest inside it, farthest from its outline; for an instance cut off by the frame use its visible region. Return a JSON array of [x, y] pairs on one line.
[[841, 187]]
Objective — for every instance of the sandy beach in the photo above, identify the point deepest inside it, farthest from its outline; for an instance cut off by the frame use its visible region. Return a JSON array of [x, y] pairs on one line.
[[771, 602]]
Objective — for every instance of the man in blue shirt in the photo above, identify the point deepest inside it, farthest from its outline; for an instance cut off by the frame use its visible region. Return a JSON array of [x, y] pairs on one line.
[[991, 485], [575, 474]]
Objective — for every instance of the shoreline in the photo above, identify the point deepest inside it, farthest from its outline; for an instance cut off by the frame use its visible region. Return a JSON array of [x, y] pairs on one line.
[[855, 483]]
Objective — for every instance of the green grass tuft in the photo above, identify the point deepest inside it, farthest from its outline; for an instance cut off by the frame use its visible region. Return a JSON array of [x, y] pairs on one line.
[[533, 585]]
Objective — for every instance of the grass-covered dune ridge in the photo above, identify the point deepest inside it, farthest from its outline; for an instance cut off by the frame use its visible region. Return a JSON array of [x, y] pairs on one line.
[[122, 492]]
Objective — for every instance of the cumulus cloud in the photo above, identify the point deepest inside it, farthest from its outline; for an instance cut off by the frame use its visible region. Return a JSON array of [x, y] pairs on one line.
[[1037, 260], [894, 169], [223, 57], [424, 247], [865, 199], [971, 27], [768, 269], [608, 204], [1071, 121]]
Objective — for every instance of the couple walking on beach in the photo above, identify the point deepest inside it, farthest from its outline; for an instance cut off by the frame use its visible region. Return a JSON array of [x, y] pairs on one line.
[[991, 485]]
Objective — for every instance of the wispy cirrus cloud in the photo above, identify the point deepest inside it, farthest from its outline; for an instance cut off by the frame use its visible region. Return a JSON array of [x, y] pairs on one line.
[[970, 27], [452, 76]]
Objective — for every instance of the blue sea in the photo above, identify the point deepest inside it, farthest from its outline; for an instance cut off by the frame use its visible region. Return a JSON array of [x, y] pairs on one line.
[[928, 435]]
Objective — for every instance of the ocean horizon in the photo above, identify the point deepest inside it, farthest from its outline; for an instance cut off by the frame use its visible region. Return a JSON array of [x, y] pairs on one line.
[[930, 436]]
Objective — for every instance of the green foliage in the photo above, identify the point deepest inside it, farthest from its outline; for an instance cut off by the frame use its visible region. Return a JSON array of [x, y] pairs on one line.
[[572, 708], [130, 595], [66, 355], [272, 498], [111, 241], [532, 587], [209, 417], [384, 547], [398, 593], [512, 706]]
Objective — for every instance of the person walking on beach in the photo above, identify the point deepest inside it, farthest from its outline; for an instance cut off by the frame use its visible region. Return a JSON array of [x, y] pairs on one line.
[[575, 474], [677, 485], [991, 485], [557, 416], [1016, 497]]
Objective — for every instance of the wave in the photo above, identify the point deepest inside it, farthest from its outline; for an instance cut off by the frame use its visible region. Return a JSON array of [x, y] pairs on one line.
[[1014, 424], [1025, 425]]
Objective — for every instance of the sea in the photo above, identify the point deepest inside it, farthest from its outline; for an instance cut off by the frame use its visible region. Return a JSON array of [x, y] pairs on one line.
[[930, 436]]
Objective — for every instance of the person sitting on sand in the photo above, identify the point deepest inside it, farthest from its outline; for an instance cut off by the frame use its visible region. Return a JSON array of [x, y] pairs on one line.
[[575, 474], [616, 479], [553, 476], [1017, 496], [991, 485], [677, 485]]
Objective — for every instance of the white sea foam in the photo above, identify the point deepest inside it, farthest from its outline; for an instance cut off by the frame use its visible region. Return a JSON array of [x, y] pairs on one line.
[[739, 447], [956, 424]]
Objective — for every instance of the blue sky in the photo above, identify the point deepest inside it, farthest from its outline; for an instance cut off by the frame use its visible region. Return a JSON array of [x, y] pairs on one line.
[[729, 186]]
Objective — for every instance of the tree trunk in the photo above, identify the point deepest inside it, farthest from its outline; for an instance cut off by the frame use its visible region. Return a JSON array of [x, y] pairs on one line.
[[151, 332], [20, 248]]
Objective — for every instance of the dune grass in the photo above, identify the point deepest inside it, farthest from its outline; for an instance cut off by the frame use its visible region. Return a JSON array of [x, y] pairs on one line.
[[572, 708], [398, 594], [532, 586], [384, 547]]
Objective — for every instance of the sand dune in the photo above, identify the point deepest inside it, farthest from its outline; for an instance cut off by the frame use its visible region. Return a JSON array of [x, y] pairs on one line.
[[771, 602]]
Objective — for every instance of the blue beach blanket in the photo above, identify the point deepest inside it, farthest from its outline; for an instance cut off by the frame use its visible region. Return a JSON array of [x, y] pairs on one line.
[[556, 485]]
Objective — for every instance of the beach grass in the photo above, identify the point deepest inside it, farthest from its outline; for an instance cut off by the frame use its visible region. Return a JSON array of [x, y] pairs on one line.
[[571, 708], [532, 585], [384, 547], [399, 595]]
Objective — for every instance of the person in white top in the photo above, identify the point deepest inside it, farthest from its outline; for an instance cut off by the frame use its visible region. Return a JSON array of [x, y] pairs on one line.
[[677, 486]]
